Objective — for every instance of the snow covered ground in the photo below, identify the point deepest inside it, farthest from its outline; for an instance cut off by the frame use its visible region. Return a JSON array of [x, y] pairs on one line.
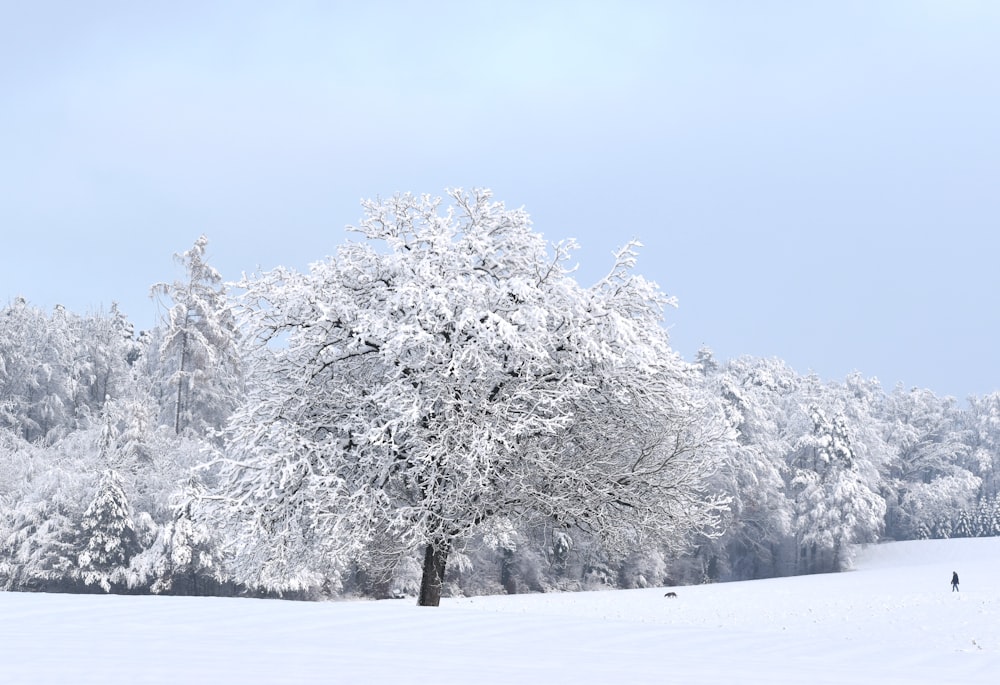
[[892, 620]]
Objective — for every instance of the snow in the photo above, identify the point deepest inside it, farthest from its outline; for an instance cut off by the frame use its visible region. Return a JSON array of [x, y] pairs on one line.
[[891, 620]]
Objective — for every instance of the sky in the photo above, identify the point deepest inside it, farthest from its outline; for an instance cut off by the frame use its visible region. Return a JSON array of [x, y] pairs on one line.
[[892, 621], [815, 182]]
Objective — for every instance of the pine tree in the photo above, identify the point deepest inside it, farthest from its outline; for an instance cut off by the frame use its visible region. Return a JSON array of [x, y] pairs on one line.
[[108, 533], [994, 517], [963, 527], [942, 529], [198, 352], [182, 560]]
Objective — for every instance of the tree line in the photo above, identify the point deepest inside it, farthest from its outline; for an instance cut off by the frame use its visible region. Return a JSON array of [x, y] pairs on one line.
[[440, 408]]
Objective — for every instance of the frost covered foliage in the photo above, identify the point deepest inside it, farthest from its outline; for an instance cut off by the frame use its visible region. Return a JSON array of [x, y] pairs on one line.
[[184, 558], [982, 431], [57, 370], [441, 409], [447, 374], [80, 516], [930, 473], [41, 505], [197, 365], [108, 534], [805, 473], [949, 509], [834, 507], [759, 397]]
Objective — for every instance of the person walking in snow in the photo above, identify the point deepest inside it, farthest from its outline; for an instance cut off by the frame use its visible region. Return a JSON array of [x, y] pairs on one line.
[[954, 581]]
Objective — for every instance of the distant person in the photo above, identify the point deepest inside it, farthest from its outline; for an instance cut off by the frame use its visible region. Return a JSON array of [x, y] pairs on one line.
[[954, 581]]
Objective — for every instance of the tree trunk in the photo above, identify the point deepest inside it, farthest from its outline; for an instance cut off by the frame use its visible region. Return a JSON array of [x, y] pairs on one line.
[[435, 558], [508, 571], [180, 379]]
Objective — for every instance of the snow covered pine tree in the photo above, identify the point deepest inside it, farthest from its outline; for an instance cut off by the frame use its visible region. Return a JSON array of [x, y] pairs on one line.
[[447, 375], [108, 534], [198, 353]]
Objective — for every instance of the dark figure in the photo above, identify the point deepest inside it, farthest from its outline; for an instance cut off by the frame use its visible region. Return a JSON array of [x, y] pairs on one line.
[[954, 581]]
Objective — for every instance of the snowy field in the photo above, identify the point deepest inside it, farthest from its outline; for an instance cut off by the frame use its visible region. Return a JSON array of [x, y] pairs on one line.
[[892, 620]]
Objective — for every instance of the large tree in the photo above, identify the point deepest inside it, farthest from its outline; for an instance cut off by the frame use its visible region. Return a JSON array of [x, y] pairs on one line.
[[447, 376], [198, 354], [756, 394], [983, 434], [928, 476], [835, 493]]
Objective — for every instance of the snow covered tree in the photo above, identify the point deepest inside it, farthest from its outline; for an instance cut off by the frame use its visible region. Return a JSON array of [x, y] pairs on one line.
[[35, 534], [105, 349], [126, 428], [183, 559], [109, 534], [57, 370], [38, 357], [835, 503], [199, 347], [963, 526], [927, 432], [988, 518], [936, 505], [45, 490], [983, 426], [756, 394], [929, 453], [446, 376]]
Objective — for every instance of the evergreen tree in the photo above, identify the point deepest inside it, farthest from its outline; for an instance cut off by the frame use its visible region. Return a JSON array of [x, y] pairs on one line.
[[108, 533], [183, 559], [44, 490], [993, 517], [198, 353], [963, 527]]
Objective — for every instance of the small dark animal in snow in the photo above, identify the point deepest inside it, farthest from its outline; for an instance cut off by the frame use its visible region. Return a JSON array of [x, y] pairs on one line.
[[671, 595]]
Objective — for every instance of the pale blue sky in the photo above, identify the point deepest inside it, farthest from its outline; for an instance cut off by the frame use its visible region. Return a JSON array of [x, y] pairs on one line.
[[815, 181]]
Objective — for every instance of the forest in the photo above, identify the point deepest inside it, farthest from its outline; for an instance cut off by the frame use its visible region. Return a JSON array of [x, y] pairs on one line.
[[440, 409]]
